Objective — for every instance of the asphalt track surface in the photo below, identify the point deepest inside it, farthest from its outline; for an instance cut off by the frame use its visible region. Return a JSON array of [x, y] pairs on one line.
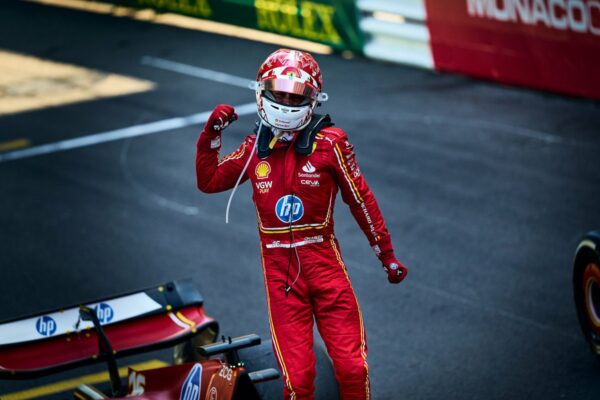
[[486, 189]]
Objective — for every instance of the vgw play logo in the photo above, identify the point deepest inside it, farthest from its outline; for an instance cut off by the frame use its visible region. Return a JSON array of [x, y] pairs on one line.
[[191, 386], [45, 325], [289, 209], [104, 312]]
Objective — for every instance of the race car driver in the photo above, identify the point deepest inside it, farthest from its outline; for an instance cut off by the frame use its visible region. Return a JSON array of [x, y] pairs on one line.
[[297, 161]]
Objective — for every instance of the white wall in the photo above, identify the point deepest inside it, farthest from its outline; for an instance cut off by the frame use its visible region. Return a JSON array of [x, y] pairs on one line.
[[395, 31]]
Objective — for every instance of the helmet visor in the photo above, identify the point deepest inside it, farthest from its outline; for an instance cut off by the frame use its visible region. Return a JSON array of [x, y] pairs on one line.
[[289, 86], [287, 99]]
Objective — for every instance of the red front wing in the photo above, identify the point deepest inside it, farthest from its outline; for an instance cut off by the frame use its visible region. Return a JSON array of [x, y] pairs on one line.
[[177, 315]]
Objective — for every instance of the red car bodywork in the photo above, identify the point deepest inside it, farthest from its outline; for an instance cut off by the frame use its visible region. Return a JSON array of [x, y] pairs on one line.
[[176, 315]]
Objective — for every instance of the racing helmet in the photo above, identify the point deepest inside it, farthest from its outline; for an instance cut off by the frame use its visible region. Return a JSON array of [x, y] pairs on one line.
[[288, 88]]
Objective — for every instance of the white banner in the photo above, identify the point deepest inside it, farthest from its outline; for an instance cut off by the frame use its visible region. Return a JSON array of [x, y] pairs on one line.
[[63, 322]]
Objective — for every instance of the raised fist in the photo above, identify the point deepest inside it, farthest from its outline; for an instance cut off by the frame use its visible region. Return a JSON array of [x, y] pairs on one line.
[[220, 118]]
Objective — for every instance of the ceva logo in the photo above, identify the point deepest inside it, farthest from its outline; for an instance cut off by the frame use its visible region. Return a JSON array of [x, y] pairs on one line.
[[191, 386], [45, 325], [289, 209], [104, 312]]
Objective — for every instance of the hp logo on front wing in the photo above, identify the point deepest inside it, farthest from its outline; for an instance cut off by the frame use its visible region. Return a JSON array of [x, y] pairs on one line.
[[45, 325], [104, 312], [289, 209]]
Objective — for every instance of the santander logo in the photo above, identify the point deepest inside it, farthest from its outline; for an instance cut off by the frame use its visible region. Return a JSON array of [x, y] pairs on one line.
[[309, 171], [308, 168]]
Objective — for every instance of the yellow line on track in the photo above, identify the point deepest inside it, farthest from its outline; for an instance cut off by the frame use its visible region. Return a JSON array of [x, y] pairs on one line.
[[30, 83], [14, 144], [70, 384]]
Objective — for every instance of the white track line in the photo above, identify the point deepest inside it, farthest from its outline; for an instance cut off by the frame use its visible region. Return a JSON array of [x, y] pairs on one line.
[[119, 134], [197, 72]]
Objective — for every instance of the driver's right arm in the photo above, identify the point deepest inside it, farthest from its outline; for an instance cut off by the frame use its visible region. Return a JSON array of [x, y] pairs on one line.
[[214, 174]]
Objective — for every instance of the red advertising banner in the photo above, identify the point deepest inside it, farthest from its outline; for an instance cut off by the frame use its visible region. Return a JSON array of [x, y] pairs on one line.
[[546, 44]]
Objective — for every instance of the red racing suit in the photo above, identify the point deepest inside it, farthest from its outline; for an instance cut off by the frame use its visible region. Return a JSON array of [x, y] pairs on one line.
[[294, 196]]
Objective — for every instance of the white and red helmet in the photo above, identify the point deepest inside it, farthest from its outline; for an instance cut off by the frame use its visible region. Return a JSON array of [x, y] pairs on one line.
[[288, 88]]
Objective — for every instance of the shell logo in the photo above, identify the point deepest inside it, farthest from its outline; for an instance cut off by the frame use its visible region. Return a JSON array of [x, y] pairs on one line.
[[263, 169]]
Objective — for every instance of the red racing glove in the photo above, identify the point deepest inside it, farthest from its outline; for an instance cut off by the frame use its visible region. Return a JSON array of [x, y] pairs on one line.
[[396, 271], [219, 119], [385, 252]]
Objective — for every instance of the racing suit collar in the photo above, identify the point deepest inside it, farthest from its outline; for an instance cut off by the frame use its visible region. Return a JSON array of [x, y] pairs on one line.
[[285, 136]]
